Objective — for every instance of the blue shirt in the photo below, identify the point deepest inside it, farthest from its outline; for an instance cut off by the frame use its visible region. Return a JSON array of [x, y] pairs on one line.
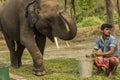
[[105, 46]]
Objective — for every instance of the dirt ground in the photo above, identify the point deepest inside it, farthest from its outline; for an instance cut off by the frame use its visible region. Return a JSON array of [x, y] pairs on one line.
[[76, 50], [81, 45]]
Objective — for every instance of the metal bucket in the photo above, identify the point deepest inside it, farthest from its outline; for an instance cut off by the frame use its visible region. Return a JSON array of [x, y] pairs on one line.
[[4, 72], [85, 67]]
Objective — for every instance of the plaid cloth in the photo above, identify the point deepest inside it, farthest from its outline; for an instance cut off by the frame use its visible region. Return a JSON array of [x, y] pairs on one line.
[[104, 61]]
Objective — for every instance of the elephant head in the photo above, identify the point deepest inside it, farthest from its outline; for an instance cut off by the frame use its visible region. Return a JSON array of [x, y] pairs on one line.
[[48, 18]]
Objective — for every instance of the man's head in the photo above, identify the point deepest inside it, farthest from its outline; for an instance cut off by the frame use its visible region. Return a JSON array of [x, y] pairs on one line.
[[106, 29], [103, 26]]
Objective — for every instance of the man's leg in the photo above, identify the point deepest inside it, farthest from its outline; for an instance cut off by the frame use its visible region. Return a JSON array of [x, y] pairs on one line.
[[113, 63], [98, 65]]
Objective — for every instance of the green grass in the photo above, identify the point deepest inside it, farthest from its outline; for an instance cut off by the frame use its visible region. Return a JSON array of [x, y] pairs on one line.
[[57, 69], [60, 69]]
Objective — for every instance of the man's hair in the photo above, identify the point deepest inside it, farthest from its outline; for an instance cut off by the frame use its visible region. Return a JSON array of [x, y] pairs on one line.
[[103, 26]]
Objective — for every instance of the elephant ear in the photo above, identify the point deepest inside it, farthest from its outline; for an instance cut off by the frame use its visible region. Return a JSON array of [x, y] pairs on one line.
[[32, 11]]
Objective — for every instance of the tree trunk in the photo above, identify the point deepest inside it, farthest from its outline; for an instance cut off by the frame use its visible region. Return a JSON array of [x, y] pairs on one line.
[[110, 17], [65, 5], [73, 8], [118, 8]]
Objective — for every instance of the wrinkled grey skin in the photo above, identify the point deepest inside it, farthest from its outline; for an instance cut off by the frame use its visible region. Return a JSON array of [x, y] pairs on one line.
[[27, 23]]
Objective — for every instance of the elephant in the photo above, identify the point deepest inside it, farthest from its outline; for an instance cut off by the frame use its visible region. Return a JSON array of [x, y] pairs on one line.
[[27, 24]]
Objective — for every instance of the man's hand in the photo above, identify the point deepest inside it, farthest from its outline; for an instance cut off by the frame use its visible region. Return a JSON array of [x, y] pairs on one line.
[[98, 53]]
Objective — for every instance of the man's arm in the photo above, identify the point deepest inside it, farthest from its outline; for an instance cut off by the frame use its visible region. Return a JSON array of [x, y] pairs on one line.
[[98, 53]]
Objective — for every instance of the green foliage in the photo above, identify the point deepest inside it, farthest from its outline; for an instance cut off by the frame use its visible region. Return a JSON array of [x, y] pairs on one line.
[[1, 1], [90, 8], [115, 17], [90, 21], [87, 8]]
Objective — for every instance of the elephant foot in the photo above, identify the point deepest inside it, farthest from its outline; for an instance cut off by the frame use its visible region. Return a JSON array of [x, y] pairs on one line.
[[16, 65], [39, 73], [20, 64], [15, 62]]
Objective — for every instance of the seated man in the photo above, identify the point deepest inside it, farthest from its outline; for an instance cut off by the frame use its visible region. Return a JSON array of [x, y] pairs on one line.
[[108, 56]]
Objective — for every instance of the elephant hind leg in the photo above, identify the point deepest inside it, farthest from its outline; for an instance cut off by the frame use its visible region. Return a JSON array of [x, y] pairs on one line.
[[15, 55], [19, 52], [11, 46]]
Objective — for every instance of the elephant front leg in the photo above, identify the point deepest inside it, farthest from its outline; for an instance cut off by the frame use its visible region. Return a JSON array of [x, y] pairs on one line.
[[28, 40], [38, 67]]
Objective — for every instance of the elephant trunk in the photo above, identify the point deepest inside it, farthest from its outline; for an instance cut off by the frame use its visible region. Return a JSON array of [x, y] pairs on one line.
[[70, 25]]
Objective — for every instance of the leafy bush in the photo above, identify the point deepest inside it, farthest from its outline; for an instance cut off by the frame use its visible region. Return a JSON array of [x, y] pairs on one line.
[[90, 21], [115, 17]]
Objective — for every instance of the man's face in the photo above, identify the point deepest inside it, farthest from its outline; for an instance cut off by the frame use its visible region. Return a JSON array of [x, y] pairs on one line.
[[107, 31]]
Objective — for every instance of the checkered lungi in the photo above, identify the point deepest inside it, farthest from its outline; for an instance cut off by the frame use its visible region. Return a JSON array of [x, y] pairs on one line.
[[104, 61]]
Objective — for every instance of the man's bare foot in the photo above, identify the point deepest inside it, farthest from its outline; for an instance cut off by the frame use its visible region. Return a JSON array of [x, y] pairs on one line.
[[110, 75]]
